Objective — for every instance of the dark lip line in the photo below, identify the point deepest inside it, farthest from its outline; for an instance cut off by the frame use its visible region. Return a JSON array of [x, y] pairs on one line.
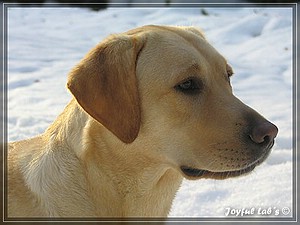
[[197, 173]]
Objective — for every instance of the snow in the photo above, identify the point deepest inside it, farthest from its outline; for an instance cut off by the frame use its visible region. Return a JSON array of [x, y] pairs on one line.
[[45, 43]]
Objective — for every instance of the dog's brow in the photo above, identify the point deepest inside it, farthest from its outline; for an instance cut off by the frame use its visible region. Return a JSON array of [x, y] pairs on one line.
[[192, 66], [190, 69], [195, 66]]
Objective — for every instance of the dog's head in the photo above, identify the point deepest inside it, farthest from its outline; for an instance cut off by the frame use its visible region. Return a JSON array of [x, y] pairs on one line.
[[168, 89]]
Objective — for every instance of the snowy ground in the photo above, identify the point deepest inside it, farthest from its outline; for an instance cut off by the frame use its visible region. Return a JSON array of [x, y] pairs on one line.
[[45, 43]]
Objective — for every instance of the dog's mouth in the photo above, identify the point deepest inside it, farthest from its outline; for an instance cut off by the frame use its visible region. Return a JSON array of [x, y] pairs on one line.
[[192, 173]]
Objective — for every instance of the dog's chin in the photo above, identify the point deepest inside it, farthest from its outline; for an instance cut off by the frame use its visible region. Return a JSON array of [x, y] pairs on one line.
[[191, 173], [194, 174]]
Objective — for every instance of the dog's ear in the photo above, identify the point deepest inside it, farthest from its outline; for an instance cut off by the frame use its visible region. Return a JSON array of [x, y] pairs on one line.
[[105, 85]]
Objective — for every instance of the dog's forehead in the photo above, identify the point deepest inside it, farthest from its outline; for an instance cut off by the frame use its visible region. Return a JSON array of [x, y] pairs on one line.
[[186, 41], [171, 49]]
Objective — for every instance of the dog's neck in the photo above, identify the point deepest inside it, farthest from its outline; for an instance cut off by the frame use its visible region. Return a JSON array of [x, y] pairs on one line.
[[123, 180]]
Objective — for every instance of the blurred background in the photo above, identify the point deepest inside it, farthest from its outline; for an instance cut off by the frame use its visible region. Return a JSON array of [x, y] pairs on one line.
[[105, 3]]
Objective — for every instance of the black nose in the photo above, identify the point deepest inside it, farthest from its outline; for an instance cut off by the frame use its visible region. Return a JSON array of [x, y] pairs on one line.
[[264, 132]]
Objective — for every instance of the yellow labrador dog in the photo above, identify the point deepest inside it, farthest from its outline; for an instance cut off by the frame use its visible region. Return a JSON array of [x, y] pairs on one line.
[[151, 106]]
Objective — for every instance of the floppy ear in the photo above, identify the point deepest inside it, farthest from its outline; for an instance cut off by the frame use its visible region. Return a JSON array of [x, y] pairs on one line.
[[105, 85]]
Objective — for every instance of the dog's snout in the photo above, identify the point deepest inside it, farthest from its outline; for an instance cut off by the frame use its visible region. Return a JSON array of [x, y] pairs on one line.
[[264, 133]]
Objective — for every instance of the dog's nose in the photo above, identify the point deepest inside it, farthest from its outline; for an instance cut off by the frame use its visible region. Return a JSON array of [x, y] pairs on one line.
[[264, 133]]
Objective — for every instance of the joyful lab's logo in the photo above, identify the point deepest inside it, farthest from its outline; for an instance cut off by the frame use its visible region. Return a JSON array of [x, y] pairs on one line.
[[270, 211]]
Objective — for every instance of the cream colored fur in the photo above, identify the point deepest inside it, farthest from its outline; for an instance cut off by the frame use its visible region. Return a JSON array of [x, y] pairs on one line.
[[117, 148]]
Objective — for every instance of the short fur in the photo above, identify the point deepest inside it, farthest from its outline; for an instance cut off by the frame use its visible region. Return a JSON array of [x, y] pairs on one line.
[[121, 146]]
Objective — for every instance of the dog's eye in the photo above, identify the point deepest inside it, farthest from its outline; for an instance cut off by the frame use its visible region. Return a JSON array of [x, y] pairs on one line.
[[190, 86]]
